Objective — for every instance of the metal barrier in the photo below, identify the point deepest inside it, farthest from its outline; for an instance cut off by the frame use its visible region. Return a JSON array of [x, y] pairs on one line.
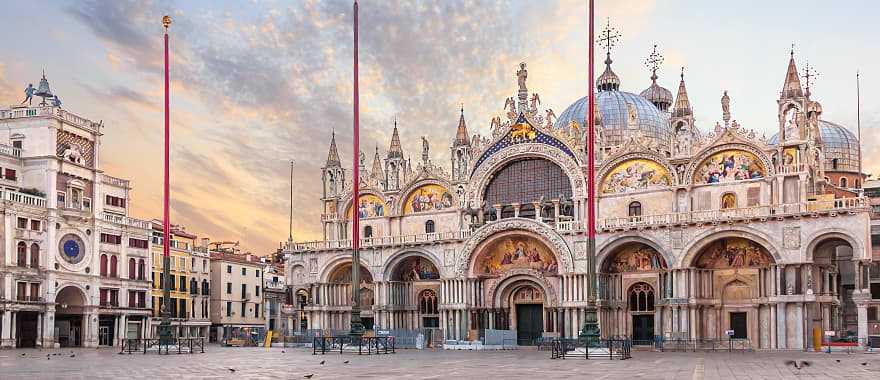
[[694, 345], [372, 344], [176, 345], [610, 348]]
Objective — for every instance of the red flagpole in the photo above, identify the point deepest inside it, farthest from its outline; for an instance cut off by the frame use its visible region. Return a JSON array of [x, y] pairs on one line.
[[165, 326], [356, 327], [591, 137]]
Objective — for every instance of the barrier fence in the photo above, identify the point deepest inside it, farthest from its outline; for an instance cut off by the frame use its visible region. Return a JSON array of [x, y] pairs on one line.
[[172, 345], [591, 348], [369, 345], [693, 345]]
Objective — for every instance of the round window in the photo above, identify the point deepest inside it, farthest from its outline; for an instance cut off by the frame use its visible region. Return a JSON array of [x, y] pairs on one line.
[[72, 248]]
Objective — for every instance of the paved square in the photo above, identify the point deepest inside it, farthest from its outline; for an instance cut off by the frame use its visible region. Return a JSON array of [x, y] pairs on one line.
[[291, 363]]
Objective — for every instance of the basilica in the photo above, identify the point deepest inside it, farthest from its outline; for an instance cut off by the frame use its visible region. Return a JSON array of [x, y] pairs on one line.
[[704, 231]]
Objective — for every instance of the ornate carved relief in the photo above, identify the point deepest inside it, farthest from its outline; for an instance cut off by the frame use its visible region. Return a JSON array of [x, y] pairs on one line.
[[791, 237], [75, 149]]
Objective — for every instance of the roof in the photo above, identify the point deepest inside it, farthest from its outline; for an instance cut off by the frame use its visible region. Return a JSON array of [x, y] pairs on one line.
[[248, 259]]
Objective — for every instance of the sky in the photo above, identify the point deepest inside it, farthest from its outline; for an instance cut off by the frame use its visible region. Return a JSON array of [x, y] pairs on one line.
[[256, 84]]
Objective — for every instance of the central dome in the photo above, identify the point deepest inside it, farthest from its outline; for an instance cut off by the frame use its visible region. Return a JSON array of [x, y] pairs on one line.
[[622, 114]]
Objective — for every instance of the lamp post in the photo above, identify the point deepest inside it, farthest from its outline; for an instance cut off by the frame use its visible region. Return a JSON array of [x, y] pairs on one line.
[[165, 325], [357, 327]]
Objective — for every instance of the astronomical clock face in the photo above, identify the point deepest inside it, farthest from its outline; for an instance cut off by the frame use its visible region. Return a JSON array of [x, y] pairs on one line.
[[72, 248]]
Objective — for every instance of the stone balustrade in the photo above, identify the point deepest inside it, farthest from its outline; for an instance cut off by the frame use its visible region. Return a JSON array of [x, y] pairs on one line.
[[125, 220], [741, 213], [26, 199]]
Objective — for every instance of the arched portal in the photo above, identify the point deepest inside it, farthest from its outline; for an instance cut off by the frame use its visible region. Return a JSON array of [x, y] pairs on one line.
[[522, 308], [629, 279], [412, 276], [337, 293], [70, 316], [730, 274]]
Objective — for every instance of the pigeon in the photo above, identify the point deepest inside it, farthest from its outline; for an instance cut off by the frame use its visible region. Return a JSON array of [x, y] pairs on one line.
[[309, 376], [283, 352], [837, 360], [23, 354], [865, 363], [345, 362], [73, 355], [797, 364], [231, 369], [322, 362]]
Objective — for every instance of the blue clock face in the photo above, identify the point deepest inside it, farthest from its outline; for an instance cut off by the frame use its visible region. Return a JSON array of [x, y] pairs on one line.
[[72, 248]]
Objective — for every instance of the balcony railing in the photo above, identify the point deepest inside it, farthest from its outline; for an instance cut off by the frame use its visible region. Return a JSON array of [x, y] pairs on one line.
[[705, 216], [24, 112], [110, 303], [126, 220], [384, 240], [23, 298], [27, 199], [119, 182], [10, 150]]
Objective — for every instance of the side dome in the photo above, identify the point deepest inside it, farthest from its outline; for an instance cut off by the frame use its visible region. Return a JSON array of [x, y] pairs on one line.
[[658, 95], [622, 115], [840, 145]]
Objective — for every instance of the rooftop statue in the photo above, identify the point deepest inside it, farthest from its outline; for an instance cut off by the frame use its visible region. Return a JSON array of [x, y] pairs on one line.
[[521, 76], [725, 107], [28, 94]]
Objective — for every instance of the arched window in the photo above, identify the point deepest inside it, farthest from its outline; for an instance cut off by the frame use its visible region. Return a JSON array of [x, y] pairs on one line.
[[368, 232], [205, 290], [142, 268], [635, 209], [843, 182], [113, 266], [35, 255], [728, 201], [525, 182], [428, 302], [834, 164], [22, 254], [641, 298], [429, 227], [132, 270], [193, 288], [104, 265]]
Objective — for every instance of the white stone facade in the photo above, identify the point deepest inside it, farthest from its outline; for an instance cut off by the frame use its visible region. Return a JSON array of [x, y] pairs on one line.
[[75, 267], [700, 236]]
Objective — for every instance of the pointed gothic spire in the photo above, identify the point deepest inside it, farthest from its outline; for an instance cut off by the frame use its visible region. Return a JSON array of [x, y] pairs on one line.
[[395, 151], [792, 86], [376, 172], [461, 134], [682, 104], [333, 155]]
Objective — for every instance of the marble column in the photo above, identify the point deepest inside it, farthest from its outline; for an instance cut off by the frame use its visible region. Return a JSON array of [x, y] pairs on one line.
[[5, 330], [780, 326]]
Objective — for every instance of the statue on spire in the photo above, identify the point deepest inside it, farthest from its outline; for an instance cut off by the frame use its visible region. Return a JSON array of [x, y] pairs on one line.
[[725, 108], [521, 76]]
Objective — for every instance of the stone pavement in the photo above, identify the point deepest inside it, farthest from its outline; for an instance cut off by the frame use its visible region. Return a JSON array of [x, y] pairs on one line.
[[291, 363]]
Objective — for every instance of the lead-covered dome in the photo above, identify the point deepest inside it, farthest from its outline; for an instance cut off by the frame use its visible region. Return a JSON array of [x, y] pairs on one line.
[[841, 147], [622, 114]]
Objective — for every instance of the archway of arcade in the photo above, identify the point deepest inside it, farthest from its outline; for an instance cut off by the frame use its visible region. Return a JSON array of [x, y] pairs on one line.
[[409, 297], [833, 277], [726, 285], [632, 279], [335, 296], [71, 319]]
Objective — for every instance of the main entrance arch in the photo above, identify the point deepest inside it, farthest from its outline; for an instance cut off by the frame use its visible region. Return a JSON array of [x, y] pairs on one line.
[[631, 278], [412, 286], [71, 322]]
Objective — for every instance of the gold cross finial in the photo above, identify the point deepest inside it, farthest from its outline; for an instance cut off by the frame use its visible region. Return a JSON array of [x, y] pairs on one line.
[[608, 37]]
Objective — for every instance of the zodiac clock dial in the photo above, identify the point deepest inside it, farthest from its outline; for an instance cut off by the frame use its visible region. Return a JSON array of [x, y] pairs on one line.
[[71, 248]]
